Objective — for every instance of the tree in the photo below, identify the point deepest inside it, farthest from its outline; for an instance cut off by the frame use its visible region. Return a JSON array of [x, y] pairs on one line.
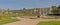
[[54, 9], [59, 6], [24, 8], [58, 9], [8, 10]]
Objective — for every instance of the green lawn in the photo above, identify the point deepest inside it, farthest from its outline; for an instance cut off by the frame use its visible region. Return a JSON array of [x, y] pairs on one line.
[[6, 19], [49, 23]]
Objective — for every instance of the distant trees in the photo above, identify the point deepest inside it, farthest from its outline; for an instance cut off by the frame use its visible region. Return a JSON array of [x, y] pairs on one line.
[[56, 10], [8, 10], [24, 8]]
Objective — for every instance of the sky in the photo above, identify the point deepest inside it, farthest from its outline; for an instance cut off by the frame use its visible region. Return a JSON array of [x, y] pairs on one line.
[[19, 4]]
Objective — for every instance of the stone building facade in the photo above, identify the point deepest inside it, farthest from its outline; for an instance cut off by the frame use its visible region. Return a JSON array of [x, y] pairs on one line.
[[38, 11], [42, 11]]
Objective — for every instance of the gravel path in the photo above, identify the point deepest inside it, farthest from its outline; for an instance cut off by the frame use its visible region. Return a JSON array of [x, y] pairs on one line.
[[26, 21]]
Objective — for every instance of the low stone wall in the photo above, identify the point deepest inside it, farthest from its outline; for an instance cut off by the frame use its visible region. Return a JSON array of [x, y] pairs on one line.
[[28, 16], [50, 17]]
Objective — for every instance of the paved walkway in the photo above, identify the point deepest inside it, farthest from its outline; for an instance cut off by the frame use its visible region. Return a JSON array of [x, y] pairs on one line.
[[26, 21]]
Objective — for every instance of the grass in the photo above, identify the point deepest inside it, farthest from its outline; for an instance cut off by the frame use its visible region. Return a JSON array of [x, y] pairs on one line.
[[6, 19], [49, 23], [1, 23]]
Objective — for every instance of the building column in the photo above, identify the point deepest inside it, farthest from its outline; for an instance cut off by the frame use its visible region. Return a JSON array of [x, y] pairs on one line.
[[43, 11], [40, 11], [46, 11], [50, 11]]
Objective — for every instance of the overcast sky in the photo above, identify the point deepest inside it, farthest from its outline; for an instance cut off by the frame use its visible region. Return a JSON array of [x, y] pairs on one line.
[[16, 4]]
